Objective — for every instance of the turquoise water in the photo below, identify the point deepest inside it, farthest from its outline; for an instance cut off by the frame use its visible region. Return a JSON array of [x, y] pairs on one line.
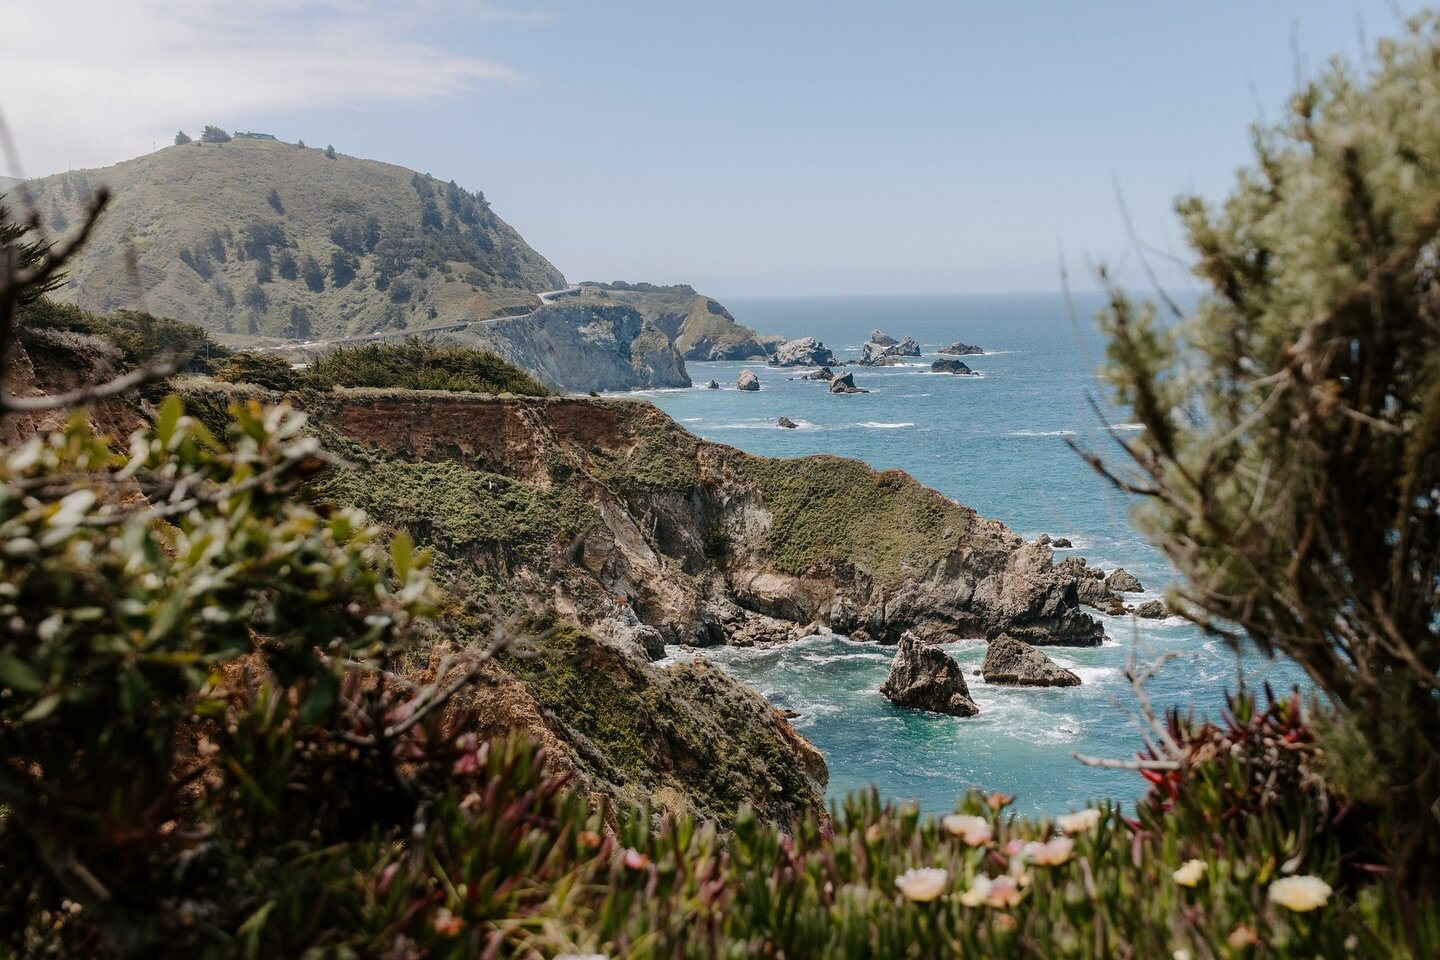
[[997, 443]]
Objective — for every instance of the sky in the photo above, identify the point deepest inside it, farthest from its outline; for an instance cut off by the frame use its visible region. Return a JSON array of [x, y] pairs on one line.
[[788, 147]]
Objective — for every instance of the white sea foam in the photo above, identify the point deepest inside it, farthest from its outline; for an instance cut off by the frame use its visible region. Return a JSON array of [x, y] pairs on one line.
[[1042, 433], [876, 425], [837, 657], [1127, 426]]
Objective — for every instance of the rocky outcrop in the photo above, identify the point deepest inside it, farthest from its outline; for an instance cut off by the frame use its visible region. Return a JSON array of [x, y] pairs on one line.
[[712, 385], [697, 326], [845, 383], [593, 506], [1152, 610], [882, 350], [958, 349], [1122, 581], [747, 380], [1015, 663], [805, 352], [578, 347], [926, 678], [1090, 586], [824, 373], [787, 423], [951, 366]]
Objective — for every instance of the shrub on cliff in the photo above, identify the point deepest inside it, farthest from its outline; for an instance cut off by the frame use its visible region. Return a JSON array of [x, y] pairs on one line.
[[1290, 461], [418, 365]]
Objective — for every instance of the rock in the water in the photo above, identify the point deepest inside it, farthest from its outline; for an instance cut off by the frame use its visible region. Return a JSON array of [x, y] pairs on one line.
[[1043, 538], [787, 423], [824, 373], [927, 679], [882, 351], [1015, 662], [845, 383], [1090, 587], [951, 366], [805, 352], [958, 349], [1123, 582], [1152, 610], [712, 385], [747, 381], [1062, 543]]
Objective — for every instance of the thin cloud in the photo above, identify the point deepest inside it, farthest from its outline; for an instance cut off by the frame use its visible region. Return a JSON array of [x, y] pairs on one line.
[[91, 82]]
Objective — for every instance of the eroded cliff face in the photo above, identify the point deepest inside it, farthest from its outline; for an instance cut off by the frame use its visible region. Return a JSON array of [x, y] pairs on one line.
[[579, 347], [631, 526]]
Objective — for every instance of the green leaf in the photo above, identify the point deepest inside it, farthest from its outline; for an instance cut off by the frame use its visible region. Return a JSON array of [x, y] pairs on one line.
[[134, 691], [402, 555], [168, 419], [43, 708], [321, 698], [16, 674], [251, 928]]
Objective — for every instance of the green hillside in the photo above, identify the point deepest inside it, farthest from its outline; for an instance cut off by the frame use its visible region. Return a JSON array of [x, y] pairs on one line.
[[261, 239]]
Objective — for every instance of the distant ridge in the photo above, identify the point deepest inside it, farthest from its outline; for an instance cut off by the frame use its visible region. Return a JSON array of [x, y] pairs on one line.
[[256, 239]]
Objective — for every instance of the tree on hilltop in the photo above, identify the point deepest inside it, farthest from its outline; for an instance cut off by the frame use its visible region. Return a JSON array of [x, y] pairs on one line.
[[214, 134], [182, 138], [330, 152]]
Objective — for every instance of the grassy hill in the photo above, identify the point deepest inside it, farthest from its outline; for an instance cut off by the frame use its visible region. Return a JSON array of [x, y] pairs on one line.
[[698, 327], [256, 239]]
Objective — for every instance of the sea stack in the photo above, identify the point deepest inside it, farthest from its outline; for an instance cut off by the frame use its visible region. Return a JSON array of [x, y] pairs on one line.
[[926, 678], [1015, 663], [747, 381]]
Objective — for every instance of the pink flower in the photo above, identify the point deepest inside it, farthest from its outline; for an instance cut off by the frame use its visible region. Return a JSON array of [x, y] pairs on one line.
[[922, 884], [1051, 853], [975, 831], [447, 924]]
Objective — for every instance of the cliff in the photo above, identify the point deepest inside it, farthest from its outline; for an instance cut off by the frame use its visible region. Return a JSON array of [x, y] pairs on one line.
[[699, 327], [577, 347], [261, 239], [631, 526]]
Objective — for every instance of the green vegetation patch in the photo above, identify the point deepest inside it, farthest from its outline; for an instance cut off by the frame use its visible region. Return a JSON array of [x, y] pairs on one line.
[[138, 335], [690, 727], [834, 510], [458, 508], [419, 365]]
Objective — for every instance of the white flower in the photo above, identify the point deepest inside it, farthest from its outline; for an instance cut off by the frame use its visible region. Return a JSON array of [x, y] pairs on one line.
[[978, 893], [1001, 892], [1300, 894], [1190, 872], [922, 884], [1080, 821], [1181, 954], [976, 831], [1049, 854]]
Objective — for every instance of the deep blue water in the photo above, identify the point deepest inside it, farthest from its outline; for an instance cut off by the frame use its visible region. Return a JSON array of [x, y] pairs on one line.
[[997, 443]]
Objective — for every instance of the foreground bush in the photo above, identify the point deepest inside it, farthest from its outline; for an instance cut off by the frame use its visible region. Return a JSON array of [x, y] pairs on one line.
[[415, 364], [1290, 462]]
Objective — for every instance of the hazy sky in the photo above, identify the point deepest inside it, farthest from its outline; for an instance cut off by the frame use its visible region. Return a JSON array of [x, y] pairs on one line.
[[781, 147]]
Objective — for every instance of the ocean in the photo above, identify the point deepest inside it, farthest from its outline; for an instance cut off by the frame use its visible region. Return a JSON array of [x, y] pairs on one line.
[[996, 442]]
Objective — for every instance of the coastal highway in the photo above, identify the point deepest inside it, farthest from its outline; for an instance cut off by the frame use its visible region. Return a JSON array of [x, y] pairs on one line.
[[548, 297]]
